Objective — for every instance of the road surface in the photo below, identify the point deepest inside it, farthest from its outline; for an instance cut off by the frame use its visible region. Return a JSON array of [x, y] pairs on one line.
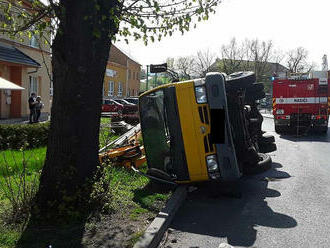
[[287, 206]]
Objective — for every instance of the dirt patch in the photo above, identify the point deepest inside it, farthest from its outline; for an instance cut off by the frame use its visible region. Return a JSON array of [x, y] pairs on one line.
[[116, 231]]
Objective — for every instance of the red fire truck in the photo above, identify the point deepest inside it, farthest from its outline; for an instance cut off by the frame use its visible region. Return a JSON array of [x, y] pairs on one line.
[[301, 102]]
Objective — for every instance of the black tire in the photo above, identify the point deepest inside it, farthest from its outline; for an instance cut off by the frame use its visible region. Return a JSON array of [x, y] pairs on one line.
[[321, 130], [240, 80], [266, 138], [267, 147], [278, 129], [263, 165], [256, 87], [281, 129], [255, 96]]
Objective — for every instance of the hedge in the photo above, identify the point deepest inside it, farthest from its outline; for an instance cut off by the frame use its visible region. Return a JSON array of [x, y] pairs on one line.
[[17, 136]]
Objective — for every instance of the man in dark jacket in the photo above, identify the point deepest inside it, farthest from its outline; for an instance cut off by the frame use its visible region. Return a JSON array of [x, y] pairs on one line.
[[32, 103]]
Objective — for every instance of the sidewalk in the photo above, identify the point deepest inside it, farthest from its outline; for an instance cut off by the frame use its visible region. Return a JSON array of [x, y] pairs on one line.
[[270, 116], [266, 113], [24, 120]]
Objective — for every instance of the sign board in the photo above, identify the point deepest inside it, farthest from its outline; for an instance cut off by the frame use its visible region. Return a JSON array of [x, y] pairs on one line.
[[158, 68]]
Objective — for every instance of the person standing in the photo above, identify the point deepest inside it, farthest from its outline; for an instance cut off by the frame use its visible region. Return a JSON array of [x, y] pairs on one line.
[[38, 106], [32, 103]]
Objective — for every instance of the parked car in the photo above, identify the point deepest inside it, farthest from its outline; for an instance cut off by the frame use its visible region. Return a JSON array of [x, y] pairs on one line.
[[109, 105], [124, 102], [133, 100]]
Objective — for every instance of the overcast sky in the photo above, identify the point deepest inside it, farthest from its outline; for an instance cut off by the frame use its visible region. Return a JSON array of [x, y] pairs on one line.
[[288, 23]]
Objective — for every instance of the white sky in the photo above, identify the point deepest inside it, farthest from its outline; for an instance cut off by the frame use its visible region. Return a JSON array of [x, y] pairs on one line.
[[288, 23]]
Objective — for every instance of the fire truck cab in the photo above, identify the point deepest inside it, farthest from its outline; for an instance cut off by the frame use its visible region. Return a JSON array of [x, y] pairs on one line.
[[301, 102]]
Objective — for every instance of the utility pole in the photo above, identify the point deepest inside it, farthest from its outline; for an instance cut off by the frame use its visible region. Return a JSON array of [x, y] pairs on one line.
[[147, 77], [324, 63]]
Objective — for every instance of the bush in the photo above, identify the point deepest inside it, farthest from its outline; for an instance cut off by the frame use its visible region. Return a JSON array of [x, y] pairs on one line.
[[16, 136]]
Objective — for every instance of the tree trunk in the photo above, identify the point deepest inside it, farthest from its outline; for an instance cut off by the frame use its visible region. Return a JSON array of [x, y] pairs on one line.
[[80, 53]]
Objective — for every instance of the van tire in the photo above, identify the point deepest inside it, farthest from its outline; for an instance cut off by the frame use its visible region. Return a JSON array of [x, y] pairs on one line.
[[255, 96], [256, 87], [267, 147], [266, 138], [240, 80], [263, 165]]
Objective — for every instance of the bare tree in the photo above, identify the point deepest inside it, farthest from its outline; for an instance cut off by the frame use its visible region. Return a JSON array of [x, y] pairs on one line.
[[203, 62], [184, 66], [232, 56], [297, 60], [259, 53]]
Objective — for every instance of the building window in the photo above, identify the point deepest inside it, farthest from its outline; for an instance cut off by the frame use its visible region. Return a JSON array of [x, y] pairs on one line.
[[129, 74], [51, 88], [137, 76], [33, 85], [111, 88], [111, 73], [128, 92], [133, 74], [34, 42], [120, 89]]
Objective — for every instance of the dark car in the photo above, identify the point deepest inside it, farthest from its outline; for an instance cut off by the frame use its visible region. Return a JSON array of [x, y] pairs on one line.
[[112, 106], [133, 100]]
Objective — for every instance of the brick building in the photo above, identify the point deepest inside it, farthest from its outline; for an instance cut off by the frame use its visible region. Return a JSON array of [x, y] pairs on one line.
[[122, 77]]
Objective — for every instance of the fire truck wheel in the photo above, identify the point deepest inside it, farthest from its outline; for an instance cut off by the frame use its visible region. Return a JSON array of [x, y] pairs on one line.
[[321, 130], [263, 165], [281, 129], [267, 147]]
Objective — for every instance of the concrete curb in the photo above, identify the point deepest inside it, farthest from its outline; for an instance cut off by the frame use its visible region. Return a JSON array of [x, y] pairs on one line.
[[154, 233]]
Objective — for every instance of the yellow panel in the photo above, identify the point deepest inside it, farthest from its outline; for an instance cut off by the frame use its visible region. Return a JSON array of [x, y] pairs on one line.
[[191, 131]]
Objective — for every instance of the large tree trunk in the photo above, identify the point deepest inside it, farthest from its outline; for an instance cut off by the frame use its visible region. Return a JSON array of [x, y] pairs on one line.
[[80, 53]]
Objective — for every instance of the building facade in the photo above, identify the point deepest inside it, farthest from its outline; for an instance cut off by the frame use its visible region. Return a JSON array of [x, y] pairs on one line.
[[122, 76], [27, 63]]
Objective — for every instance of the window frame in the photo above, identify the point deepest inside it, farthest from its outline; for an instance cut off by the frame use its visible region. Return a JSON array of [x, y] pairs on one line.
[[111, 88], [33, 81], [120, 89]]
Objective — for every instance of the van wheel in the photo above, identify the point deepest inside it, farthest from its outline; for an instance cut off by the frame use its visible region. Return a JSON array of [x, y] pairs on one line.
[[263, 165], [266, 138], [240, 80], [267, 147], [257, 95]]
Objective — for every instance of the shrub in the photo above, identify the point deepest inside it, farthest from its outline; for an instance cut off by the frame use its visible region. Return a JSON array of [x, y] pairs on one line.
[[19, 188], [16, 136]]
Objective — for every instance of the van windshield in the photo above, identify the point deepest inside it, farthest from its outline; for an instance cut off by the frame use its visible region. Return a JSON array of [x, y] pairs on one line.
[[156, 136]]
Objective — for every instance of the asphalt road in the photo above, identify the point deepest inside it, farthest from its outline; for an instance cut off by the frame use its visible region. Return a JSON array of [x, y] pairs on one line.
[[287, 206]]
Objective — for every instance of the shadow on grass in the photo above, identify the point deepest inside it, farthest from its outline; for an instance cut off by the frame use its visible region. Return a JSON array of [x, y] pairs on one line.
[[36, 236], [150, 195]]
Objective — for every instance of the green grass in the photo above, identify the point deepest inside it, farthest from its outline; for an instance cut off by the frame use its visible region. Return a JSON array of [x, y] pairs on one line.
[[105, 135], [34, 159], [129, 194]]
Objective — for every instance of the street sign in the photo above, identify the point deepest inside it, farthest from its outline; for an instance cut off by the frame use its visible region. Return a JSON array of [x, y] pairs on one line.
[[158, 68]]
